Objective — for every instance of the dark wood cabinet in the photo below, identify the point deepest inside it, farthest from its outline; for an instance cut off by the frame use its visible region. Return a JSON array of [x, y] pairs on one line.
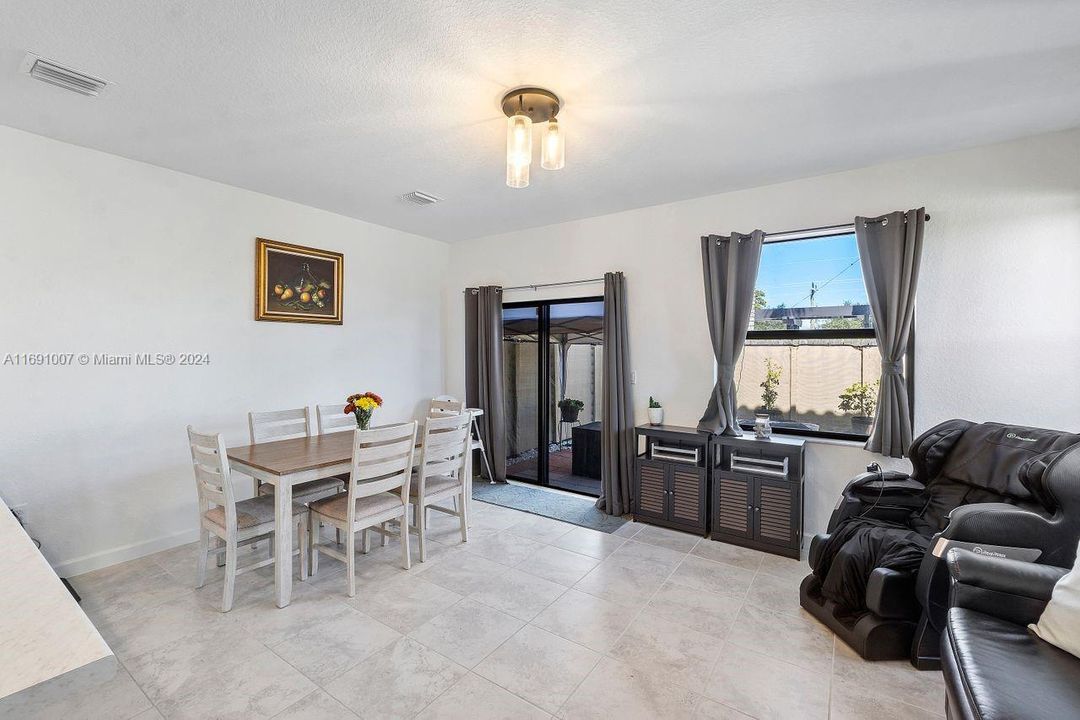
[[671, 478], [757, 493]]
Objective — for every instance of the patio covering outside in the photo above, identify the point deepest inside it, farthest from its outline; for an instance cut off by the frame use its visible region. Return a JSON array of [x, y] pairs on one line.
[[576, 347]]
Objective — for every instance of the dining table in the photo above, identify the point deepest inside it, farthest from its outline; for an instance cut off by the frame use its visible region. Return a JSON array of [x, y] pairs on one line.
[[288, 463]]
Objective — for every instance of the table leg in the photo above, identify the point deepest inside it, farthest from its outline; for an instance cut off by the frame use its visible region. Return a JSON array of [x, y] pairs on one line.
[[283, 539]]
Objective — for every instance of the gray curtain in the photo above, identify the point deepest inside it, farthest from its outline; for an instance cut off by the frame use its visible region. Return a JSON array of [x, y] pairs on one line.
[[617, 405], [484, 371], [890, 247], [730, 265]]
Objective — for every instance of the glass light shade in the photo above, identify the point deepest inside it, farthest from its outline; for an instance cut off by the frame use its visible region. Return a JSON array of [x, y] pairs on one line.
[[553, 149], [518, 150], [517, 176]]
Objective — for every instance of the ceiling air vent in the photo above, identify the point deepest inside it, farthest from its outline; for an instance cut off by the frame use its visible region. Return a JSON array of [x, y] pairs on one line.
[[56, 74], [420, 198]]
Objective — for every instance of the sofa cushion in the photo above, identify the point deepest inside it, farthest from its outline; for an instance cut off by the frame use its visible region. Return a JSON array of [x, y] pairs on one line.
[[1059, 623], [997, 669]]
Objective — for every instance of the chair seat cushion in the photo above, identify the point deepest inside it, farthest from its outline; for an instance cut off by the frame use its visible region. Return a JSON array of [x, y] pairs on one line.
[[998, 669], [434, 485], [336, 507], [312, 490], [249, 513]]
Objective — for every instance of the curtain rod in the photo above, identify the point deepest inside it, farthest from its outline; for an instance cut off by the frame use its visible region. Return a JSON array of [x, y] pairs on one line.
[[544, 285], [818, 231]]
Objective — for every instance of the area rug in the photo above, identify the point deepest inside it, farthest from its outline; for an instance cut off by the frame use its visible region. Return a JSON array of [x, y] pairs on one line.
[[538, 501]]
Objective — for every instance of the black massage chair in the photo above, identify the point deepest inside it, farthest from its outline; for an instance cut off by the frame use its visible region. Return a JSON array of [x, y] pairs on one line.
[[999, 490]]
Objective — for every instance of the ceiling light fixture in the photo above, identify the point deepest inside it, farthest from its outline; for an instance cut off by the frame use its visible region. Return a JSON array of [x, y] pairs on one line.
[[523, 107]]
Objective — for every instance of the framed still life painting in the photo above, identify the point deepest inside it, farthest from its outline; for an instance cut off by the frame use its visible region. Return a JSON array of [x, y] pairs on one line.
[[297, 284]]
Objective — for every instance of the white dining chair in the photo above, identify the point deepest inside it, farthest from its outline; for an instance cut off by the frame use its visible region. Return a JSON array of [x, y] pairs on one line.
[[233, 523], [286, 425], [331, 418], [444, 405], [377, 492], [440, 474]]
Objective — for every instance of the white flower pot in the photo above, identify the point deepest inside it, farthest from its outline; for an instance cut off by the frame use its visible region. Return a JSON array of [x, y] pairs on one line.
[[656, 416]]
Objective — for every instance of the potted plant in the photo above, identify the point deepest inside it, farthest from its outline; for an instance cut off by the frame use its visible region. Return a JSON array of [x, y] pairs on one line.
[[860, 398], [362, 406], [569, 408], [656, 412]]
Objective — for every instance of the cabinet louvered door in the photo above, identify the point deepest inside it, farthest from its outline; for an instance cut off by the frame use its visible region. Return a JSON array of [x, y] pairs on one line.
[[688, 496], [777, 505], [734, 514], [652, 489]]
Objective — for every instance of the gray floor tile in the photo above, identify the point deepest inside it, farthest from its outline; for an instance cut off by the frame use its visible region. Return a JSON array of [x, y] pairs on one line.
[[800, 641], [319, 705], [764, 687], [475, 698], [518, 593], [676, 654], [558, 565], [467, 632], [617, 690], [593, 543], [712, 613], [397, 682], [538, 666], [585, 619], [328, 648], [405, 603]]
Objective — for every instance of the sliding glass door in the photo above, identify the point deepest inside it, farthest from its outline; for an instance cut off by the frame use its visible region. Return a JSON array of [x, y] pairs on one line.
[[552, 353]]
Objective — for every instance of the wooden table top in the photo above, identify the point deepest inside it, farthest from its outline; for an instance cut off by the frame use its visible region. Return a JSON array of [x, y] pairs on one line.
[[285, 457]]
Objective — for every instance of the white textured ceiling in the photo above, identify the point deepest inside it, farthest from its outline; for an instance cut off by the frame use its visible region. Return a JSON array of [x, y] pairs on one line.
[[345, 105]]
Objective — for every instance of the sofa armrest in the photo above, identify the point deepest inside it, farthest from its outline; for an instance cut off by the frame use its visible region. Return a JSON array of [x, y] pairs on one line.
[[1012, 590]]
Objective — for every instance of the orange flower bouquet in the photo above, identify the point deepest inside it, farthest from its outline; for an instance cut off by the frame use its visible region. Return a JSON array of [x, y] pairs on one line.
[[362, 406]]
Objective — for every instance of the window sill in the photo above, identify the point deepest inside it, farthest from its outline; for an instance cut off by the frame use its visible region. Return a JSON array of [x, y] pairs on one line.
[[833, 441]]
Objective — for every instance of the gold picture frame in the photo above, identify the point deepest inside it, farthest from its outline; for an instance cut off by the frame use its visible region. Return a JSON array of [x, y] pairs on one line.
[[294, 283]]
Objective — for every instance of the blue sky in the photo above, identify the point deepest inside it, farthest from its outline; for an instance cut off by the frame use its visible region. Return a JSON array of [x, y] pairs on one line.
[[788, 268]]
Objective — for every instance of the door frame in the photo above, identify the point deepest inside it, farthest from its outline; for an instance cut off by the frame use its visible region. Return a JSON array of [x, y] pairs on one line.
[[543, 367]]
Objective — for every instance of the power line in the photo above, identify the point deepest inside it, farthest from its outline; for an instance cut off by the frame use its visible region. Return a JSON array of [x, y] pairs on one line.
[[819, 288]]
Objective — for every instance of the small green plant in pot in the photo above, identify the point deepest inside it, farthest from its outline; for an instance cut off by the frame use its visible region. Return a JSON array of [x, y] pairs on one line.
[[569, 408], [861, 399], [656, 412]]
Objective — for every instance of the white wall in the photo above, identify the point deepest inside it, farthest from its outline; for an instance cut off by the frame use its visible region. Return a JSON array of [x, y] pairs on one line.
[[105, 255], [998, 327]]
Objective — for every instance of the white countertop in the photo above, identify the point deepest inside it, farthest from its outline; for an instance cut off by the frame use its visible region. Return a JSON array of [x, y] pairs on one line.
[[43, 632]]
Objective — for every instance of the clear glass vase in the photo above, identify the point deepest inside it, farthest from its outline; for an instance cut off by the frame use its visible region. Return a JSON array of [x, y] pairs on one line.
[[363, 418]]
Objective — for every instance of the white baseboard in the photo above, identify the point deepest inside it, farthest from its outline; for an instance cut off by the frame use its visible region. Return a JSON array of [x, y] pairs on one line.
[[112, 556]]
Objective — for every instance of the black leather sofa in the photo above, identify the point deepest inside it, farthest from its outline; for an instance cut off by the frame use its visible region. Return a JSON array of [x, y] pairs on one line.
[[1037, 507], [994, 667]]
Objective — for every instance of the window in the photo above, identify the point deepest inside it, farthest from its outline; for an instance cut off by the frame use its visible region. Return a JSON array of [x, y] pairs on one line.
[[811, 360]]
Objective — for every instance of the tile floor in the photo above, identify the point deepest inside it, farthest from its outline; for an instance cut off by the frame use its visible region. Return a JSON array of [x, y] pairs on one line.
[[532, 618]]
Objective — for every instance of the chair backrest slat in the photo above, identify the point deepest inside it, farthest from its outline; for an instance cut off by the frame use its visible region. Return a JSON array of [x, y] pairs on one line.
[[330, 418], [444, 405], [212, 475], [446, 445], [279, 424], [382, 461]]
